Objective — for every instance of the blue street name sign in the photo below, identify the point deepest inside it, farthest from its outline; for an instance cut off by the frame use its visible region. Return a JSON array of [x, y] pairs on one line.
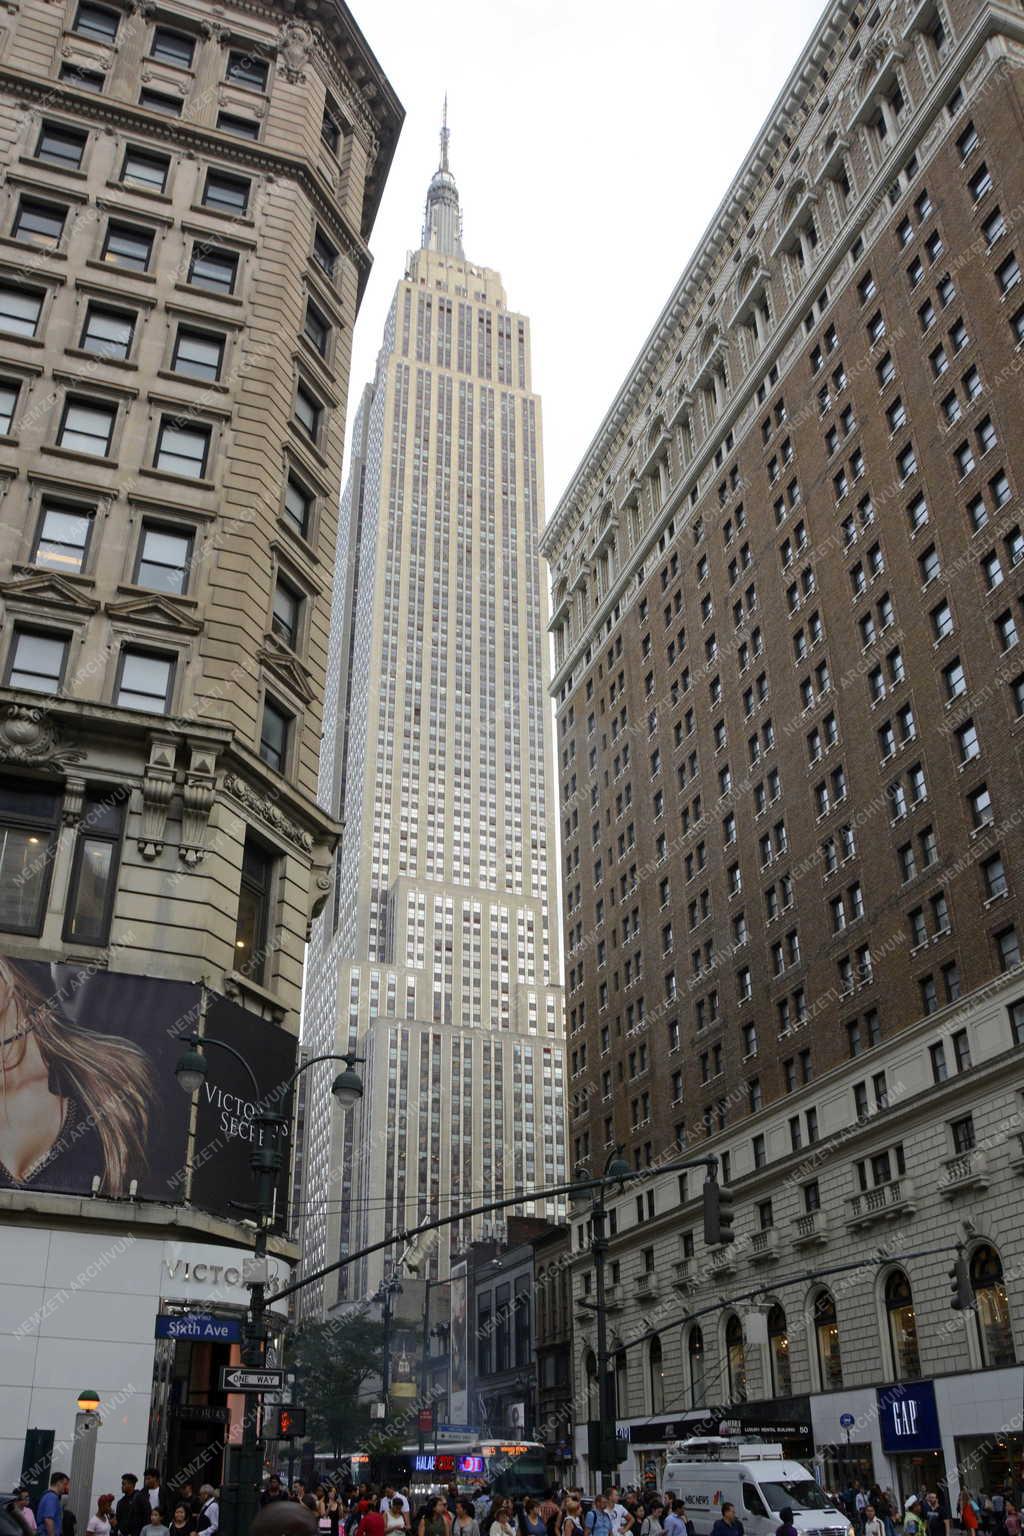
[[199, 1325]]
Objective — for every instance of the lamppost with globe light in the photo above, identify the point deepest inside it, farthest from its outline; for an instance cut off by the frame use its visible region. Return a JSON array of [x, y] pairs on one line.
[[266, 1161]]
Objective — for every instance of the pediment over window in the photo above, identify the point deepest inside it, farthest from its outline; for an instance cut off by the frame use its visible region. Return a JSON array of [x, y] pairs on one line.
[[285, 667], [51, 590], [156, 612]]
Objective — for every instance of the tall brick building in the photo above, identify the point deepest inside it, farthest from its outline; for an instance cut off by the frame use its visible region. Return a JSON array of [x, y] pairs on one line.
[[787, 600]]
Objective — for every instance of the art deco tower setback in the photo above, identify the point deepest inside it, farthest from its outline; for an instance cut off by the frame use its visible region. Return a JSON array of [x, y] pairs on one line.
[[439, 960]]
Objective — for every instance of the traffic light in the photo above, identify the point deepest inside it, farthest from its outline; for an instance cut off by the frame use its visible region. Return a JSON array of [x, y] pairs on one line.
[[719, 1204], [285, 1424], [961, 1286]]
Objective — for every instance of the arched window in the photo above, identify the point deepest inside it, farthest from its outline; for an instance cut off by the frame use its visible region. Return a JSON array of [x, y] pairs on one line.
[[736, 1360], [826, 1332], [695, 1358], [899, 1308], [778, 1350], [593, 1396], [657, 1376], [994, 1330], [621, 1385]]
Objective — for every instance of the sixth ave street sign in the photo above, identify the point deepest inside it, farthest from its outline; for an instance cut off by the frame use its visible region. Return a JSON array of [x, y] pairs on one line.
[[244, 1378]]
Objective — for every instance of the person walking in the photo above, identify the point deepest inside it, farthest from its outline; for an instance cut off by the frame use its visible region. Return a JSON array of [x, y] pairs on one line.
[[208, 1519], [183, 1521], [23, 1507], [913, 1521], [397, 1519], [100, 1523], [873, 1525], [787, 1528], [571, 1524], [502, 1522], [155, 1524], [50, 1509], [532, 1522], [727, 1525], [133, 1507], [598, 1520], [652, 1525]]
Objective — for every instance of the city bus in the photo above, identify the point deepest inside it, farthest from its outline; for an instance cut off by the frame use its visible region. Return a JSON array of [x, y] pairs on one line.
[[513, 1469]]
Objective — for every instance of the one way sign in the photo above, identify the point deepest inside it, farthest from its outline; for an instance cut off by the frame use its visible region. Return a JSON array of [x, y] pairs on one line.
[[242, 1378]]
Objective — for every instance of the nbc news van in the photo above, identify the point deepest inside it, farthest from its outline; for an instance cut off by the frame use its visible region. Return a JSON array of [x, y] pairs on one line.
[[757, 1480]]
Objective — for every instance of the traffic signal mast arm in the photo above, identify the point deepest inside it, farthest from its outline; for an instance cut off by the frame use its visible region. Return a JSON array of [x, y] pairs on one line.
[[577, 1187]]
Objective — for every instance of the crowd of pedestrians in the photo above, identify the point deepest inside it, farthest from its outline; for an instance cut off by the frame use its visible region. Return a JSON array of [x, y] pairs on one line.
[[149, 1510]]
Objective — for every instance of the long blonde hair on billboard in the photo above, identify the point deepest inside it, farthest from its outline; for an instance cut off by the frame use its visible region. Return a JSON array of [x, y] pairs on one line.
[[109, 1077]]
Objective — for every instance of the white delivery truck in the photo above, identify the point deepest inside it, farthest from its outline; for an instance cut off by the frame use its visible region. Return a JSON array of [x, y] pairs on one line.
[[757, 1480]]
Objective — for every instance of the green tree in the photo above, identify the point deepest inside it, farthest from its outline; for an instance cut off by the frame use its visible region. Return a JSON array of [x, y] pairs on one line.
[[333, 1362]]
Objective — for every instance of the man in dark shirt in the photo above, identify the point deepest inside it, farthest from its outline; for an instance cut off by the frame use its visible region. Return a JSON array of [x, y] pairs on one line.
[[132, 1507], [728, 1525]]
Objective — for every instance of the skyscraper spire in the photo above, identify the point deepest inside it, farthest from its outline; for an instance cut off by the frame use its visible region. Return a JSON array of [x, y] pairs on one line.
[[442, 224]]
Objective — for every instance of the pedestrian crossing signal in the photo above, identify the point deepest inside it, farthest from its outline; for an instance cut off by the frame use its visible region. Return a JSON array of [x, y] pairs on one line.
[[285, 1424]]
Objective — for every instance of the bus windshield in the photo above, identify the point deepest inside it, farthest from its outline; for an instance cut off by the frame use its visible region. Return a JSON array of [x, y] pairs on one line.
[[791, 1494], [514, 1470]]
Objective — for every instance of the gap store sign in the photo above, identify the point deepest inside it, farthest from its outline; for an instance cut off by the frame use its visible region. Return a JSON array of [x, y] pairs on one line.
[[909, 1418]]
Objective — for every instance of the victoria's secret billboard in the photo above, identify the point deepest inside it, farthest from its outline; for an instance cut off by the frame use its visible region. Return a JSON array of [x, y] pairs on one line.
[[90, 1100]]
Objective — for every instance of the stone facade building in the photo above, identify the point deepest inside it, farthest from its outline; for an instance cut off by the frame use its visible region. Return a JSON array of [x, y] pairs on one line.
[[439, 959], [186, 204], [787, 602]]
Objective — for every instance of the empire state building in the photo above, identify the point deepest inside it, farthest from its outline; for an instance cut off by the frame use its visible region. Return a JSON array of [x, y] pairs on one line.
[[438, 960]]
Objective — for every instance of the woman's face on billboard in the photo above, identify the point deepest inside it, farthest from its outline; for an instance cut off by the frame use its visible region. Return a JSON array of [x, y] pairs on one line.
[[30, 1115]]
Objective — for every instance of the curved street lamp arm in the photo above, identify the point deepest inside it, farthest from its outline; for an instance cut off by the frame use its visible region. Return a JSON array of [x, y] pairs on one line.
[[198, 1041], [349, 1059]]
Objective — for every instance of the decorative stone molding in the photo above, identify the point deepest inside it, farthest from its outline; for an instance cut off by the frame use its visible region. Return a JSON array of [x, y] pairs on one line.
[[294, 48], [283, 664], [258, 805], [321, 882], [157, 790], [74, 798], [197, 798], [30, 737]]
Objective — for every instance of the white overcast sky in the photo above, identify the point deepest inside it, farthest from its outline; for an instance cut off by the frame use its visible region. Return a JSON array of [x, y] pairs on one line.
[[591, 143]]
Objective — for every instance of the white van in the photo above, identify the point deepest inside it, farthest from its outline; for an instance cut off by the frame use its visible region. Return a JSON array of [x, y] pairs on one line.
[[757, 1480]]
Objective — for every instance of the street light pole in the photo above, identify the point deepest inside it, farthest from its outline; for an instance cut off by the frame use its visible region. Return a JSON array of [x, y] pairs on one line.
[[607, 1461], [241, 1501]]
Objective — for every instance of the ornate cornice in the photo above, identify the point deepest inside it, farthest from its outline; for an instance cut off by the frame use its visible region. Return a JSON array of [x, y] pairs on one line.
[[31, 739], [267, 811]]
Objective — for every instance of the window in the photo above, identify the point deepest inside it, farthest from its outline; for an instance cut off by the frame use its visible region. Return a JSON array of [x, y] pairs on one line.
[[308, 412], [993, 1314], [8, 406], [316, 328], [20, 310], [96, 21], [994, 226], [1008, 273], [298, 505], [93, 885], [126, 245], [993, 873], [968, 745], [942, 620], [164, 558], [324, 253], [980, 182], [108, 332], [160, 101], [1008, 948], [63, 537], [199, 354], [899, 1306], [145, 170], [243, 69], [254, 898], [145, 681], [228, 194], [37, 661], [83, 79], [38, 223], [962, 1132], [87, 426], [275, 732], [213, 269], [242, 127], [29, 816], [61, 146], [172, 47], [182, 450], [286, 614], [330, 128]]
